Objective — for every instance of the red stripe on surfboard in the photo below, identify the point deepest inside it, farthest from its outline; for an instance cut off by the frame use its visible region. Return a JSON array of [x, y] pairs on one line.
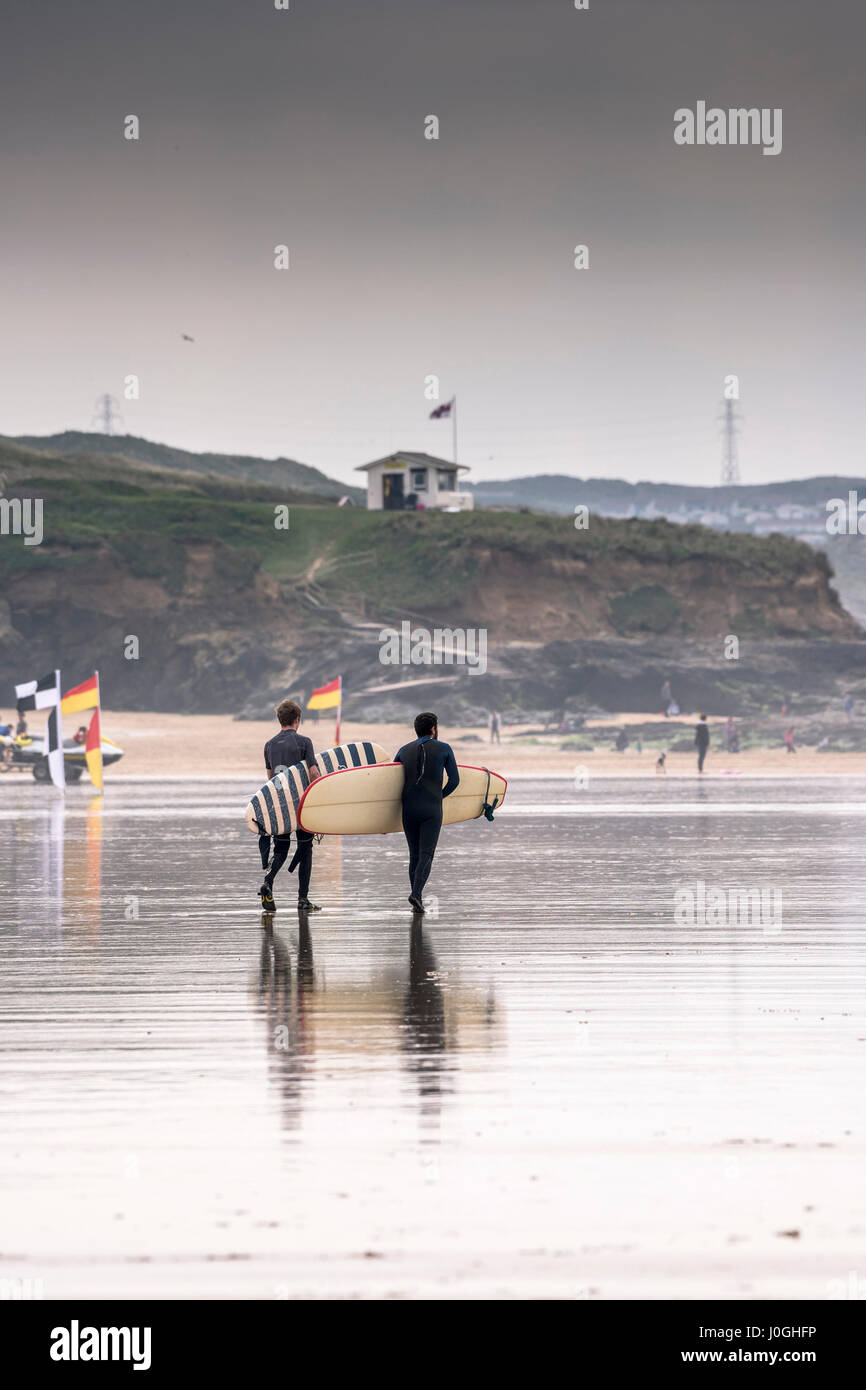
[[470, 767], [467, 767]]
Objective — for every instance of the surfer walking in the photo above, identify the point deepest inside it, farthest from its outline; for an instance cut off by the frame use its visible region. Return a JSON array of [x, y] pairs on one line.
[[284, 750], [425, 763]]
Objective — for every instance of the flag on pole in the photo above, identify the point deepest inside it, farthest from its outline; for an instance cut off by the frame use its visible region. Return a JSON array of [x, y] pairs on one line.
[[44, 693], [329, 697], [82, 697], [93, 751], [39, 694], [54, 744], [448, 411]]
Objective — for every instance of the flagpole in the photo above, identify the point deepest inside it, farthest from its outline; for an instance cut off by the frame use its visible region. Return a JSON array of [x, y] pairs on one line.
[[98, 750], [56, 765], [454, 426]]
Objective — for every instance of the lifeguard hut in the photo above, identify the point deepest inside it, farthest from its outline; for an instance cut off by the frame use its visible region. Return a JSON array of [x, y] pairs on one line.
[[408, 480]]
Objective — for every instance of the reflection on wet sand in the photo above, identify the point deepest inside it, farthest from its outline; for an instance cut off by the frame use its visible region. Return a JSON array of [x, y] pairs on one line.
[[198, 1105], [404, 1010], [284, 1010], [424, 1038], [56, 885]]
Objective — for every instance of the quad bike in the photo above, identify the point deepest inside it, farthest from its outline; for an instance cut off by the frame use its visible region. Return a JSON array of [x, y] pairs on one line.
[[27, 751]]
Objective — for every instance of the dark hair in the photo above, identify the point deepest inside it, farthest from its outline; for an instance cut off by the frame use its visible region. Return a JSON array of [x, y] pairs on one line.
[[425, 724], [287, 712]]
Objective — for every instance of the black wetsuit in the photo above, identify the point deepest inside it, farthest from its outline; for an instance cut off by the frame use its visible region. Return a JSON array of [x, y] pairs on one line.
[[424, 763], [284, 750]]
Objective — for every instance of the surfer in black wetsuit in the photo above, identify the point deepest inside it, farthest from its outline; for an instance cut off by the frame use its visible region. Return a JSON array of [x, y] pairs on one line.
[[424, 764], [284, 750]]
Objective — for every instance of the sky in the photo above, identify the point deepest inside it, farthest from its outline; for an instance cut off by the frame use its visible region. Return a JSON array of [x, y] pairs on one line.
[[454, 258]]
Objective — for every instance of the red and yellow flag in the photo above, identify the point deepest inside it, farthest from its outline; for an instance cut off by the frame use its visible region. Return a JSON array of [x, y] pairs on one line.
[[84, 696], [327, 696], [93, 751]]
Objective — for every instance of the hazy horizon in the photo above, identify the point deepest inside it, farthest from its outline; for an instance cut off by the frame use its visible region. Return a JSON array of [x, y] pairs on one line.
[[411, 257], [360, 482]]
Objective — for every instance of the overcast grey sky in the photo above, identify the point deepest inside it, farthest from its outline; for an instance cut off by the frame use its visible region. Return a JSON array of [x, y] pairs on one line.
[[454, 257]]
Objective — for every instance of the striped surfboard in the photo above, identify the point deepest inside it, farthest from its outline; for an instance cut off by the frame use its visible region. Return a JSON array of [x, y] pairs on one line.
[[273, 809]]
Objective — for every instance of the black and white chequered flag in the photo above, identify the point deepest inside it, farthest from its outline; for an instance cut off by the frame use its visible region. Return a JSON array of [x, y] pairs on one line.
[[44, 693], [39, 694]]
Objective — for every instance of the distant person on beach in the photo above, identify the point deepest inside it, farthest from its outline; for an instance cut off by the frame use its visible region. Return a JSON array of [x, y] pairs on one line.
[[425, 762], [80, 735], [284, 750], [673, 710], [21, 727], [789, 739], [702, 741], [494, 724], [667, 696], [621, 743], [848, 706]]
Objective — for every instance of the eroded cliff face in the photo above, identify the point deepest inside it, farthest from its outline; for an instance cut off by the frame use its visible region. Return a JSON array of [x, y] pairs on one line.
[[619, 594], [224, 605], [200, 643]]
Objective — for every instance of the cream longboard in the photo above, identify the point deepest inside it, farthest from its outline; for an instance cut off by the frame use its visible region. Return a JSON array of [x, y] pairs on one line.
[[274, 808], [367, 800]]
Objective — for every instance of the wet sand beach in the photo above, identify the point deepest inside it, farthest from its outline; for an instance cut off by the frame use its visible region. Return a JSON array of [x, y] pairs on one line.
[[212, 745], [561, 1086]]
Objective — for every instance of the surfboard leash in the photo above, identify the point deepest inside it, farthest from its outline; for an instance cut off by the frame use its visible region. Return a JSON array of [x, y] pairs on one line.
[[487, 808]]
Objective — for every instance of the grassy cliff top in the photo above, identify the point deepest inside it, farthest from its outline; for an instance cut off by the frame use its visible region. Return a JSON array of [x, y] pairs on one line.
[[521, 573]]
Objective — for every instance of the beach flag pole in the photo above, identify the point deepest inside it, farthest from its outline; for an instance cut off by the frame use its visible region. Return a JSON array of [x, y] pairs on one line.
[[54, 739], [339, 712], [44, 693], [93, 746], [329, 696], [86, 697]]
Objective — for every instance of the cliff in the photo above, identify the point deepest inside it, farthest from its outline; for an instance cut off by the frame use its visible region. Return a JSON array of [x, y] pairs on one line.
[[227, 607]]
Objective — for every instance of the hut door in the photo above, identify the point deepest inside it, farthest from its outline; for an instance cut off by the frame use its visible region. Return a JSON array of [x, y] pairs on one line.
[[392, 491]]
